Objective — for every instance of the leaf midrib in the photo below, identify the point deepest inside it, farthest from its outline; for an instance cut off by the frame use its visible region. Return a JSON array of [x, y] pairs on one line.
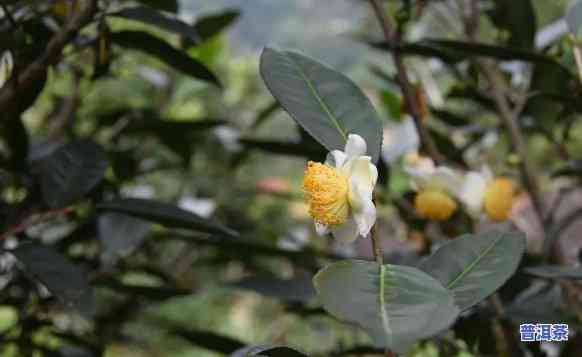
[[383, 312], [315, 93], [472, 265]]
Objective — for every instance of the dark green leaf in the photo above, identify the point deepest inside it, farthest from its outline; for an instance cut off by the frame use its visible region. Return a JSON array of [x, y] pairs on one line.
[[454, 51], [120, 234], [555, 272], [298, 289], [572, 168], [285, 148], [71, 171], [209, 340], [246, 249], [211, 25], [518, 17], [267, 351], [160, 49], [164, 5], [541, 303], [475, 266], [396, 305], [177, 127], [151, 16], [166, 214], [63, 279], [15, 135], [326, 103], [156, 293]]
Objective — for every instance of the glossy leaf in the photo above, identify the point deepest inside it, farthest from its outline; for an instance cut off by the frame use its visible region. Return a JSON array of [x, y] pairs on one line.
[[555, 272], [455, 51], [297, 289], [71, 171], [153, 17], [475, 266], [211, 25], [285, 148], [155, 293], [326, 103], [542, 303], [396, 305], [160, 49], [518, 17], [120, 234], [166, 214], [209, 340], [267, 351], [164, 5], [63, 279]]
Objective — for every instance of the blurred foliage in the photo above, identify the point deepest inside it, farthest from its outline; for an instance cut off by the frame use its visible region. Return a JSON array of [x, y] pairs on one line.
[[150, 187]]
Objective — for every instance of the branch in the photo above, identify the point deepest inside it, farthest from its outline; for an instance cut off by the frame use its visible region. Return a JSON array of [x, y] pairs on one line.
[[35, 70], [509, 118], [392, 37]]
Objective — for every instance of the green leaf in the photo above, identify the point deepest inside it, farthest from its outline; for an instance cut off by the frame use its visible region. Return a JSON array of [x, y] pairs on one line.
[[455, 51], [572, 168], [475, 266], [71, 171], [166, 214], [151, 16], [543, 303], [396, 305], [294, 290], [555, 272], [326, 103], [164, 5], [206, 339], [160, 49], [63, 279], [155, 293], [519, 18], [267, 351], [211, 25], [120, 234], [285, 148]]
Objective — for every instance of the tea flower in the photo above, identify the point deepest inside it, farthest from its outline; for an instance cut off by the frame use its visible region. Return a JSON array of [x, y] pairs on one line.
[[436, 186], [6, 64], [339, 191], [482, 192]]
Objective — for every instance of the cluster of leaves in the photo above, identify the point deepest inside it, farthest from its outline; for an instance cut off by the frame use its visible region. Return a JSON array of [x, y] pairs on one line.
[[75, 171]]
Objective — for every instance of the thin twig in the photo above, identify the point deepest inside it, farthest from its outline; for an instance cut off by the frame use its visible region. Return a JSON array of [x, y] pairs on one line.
[[509, 119], [35, 70], [393, 38]]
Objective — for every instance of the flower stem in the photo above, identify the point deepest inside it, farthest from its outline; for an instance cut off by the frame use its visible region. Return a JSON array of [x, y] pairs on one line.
[[377, 246]]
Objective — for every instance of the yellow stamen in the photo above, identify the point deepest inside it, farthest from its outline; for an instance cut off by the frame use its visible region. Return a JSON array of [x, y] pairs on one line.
[[435, 204], [499, 199], [326, 191]]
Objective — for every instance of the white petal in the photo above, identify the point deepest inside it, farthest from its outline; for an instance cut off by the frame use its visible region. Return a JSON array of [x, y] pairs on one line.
[[336, 158], [355, 146], [321, 229], [363, 174], [365, 216], [347, 232], [472, 192], [445, 178]]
